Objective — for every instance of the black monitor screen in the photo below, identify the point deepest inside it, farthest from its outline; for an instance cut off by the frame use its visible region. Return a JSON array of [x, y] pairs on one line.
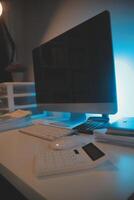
[[77, 66]]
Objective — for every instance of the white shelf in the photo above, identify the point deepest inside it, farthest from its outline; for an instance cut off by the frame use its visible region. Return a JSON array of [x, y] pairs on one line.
[[14, 93]]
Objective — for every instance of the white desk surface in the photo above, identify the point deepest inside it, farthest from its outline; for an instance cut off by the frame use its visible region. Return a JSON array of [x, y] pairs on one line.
[[106, 182]]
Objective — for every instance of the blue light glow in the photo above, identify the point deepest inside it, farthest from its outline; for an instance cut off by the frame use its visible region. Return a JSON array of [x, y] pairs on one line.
[[123, 47], [125, 85]]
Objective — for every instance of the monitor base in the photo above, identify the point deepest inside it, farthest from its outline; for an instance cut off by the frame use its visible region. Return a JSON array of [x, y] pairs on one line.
[[71, 121], [77, 117]]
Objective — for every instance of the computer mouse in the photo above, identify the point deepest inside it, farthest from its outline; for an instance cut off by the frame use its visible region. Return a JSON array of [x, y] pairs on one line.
[[69, 142]]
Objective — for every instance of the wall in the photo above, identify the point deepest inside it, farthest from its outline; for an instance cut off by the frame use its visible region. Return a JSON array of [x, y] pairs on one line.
[[27, 22], [14, 20], [42, 20]]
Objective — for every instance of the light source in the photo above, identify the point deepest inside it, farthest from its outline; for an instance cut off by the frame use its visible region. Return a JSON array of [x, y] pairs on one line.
[[1, 9]]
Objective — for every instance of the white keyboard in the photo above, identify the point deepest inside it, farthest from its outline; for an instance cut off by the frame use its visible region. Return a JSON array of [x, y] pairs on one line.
[[47, 132], [49, 163]]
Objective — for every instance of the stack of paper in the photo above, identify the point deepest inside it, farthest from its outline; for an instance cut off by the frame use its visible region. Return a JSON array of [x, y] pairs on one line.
[[14, 120], [122, 127], [104, 136]]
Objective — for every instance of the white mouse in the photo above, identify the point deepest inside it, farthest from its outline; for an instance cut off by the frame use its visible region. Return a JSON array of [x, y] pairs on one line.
[[69, 142]]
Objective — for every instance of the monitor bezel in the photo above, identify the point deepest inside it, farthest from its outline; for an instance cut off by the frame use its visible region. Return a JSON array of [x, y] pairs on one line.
[[94, 108]]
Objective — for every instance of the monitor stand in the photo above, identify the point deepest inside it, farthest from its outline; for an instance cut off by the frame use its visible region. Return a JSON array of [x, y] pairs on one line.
[[72, 120]]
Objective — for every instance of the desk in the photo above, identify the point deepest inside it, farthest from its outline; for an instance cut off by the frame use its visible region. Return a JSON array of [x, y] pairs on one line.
[[106, 182]]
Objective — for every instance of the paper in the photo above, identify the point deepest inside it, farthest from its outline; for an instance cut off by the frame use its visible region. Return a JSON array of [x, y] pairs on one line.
[[16, 114], [102, 136], [16, 119]]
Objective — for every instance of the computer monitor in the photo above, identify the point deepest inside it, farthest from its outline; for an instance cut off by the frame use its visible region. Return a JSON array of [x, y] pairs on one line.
[[74, 72]]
